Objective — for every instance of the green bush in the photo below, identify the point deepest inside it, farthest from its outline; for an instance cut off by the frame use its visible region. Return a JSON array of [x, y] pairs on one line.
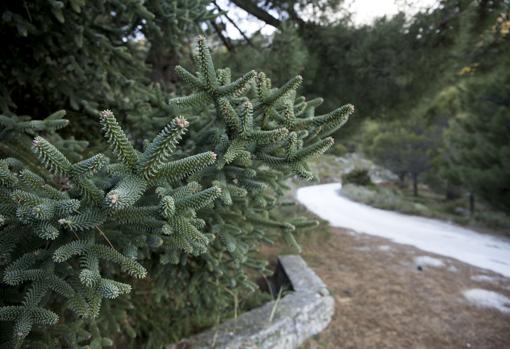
[[189, 210], [339, 150], [376, 197], [357, 176], [494, 219]]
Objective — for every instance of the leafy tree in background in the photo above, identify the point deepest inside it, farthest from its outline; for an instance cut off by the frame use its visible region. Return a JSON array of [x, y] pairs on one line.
[[472, 50], [404, 148], [439, 112], [384, 148]]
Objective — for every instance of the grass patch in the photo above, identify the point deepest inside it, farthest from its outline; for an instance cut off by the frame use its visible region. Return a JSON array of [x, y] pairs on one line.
[[428, 204]]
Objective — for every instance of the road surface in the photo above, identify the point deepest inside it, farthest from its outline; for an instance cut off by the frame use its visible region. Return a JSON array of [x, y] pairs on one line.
[[480, 250]]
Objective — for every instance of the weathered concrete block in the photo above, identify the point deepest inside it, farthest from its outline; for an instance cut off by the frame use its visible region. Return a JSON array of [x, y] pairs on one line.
[[301, 277], [285, 323]]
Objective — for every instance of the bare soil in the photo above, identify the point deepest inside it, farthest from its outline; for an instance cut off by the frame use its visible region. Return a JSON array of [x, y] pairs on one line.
[[383, 300]]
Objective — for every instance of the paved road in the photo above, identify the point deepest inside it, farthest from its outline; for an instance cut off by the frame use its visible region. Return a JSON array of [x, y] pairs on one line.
[[481, 250]]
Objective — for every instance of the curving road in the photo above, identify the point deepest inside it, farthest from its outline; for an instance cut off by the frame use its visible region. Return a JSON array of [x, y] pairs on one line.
[[468, 246]]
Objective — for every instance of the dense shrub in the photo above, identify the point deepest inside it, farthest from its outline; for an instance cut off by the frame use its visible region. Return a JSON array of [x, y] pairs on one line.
[[358, 176], [339, 150], [384, 198]]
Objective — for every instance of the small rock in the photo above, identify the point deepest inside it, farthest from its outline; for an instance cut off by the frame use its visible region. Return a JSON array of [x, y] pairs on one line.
[[427, 261], [347, 292]]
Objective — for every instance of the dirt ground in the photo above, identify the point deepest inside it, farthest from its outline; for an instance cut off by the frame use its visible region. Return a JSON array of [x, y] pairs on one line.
[[383, 300]]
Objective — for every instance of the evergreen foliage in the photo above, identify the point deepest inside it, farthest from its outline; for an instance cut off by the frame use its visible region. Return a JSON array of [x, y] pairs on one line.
[[52, 49], [189, 210], [477, 139], [463, 113], [358, 176]]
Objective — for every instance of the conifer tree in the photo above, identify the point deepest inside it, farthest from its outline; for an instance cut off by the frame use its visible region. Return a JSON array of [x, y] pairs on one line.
[[477, 137], [479, 143], [52, 48], [189, 209]]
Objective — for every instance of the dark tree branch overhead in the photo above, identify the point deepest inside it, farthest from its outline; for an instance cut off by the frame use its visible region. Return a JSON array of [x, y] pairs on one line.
[[252, 8], [294, 16], [233, 23], [222, 37]]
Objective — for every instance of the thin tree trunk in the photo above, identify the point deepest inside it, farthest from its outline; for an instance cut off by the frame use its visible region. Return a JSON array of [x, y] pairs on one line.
[[163, 64], [415, 184], [471, 203], [449, 191], [401, 180]]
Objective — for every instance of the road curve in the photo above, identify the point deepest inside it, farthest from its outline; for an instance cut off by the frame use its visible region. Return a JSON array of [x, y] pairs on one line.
[[480, 250]]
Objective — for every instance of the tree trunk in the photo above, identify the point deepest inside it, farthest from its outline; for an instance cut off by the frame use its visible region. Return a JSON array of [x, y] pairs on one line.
[[450, 192], [163, 66], [415, 184], [401, 180], [471, 203]]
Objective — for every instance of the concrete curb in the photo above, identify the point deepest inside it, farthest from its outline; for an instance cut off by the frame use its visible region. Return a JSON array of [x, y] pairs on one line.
[[285, 323]]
